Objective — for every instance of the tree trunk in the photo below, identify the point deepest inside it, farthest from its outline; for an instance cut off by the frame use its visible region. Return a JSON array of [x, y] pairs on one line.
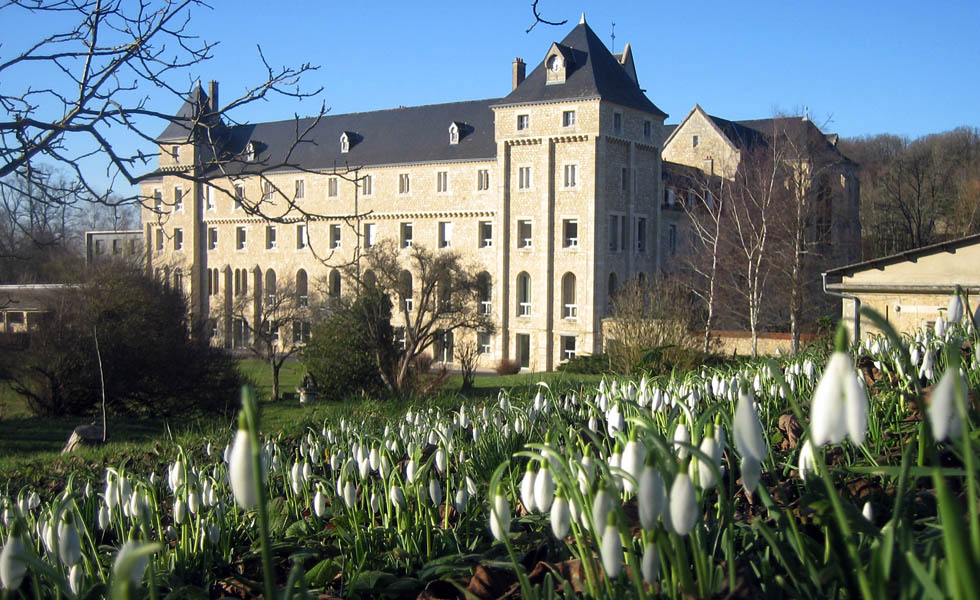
[[275, 376]]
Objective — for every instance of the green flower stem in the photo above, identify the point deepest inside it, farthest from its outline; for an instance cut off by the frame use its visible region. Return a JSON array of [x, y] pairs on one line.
[[250, 409]]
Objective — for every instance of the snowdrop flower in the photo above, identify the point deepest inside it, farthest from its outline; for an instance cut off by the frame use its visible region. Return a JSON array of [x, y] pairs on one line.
[[650, 565], [462, 497], [69, 543], [441, 460], [611, 550], [634, 455], [128, 566], [12, 565], [928, 364], [650, 496], [350, 494], [840, 404], [806, 463], [602, 505], [944, 413], [76, 578], [868, 512], [435, 491], [241, 474], [544, 489], [527, 487], [955, 311], [397, 498], [681, 434], [319, 503], [500, 516], [706, 475], [683, 504], [560, 517], [940, 327]]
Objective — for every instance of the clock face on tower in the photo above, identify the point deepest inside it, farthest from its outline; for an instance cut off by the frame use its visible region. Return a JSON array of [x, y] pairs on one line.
[[554, 64]]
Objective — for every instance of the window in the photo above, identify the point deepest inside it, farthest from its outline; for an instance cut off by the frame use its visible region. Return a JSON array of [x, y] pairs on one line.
[[370, 229], [641, 234], [209, 197], [178, 199], [241, 282], [178, 238], [523, 295], [669, 196], [647, 130], [569, 176], [614, 244], [251, 152], [483, 342], [691, 198], [672, 240], [300, 189], [522, 122], [694, 141], [335, 236], [178, 280], [444, 347], [523, 234], [302, 288], [302, 330], [332, 187], [617, 123], [239, 196], [344, 143], [213, 282], [625, 178], [568, 118], [132, 246], [367, 185], [406, 235], [569, 309], [212, 238], [486, 234], [483, 179], [483, 292], [524, 178], [453, 134], [569, 230], [302, 240], [267, 190], [116, 247], [567, 347], [405, 291], [333, 283], [270, 237], [270, 287], [99, 247], [175, 153], [240, 238], [159, 240], [445, 234], [442, 181], [404, 184], [158, 200], [709, 200], [524, 350]]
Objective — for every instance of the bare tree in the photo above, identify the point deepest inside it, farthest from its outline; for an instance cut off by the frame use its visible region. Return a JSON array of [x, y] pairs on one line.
[[434, 294], [278, 319], [752, 209], [104, 58]]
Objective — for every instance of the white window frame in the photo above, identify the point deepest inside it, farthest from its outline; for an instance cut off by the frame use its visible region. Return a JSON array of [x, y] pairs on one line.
[[404, 183], [571, 181], [445, 234], [367, 185], [523, 122], [485, 242], [212, 238], [484, 342], [407, 233], [336, 234], [299, 191], [271, 236], [178, 199], [524, 178], [482, 180], [241, 237], [566, 240], [567, 354], [302, 237], [239, 196], [568, 118], [178, 239], [522, 240], [370, 234], [209, 203], [442, 182], [333, 187]]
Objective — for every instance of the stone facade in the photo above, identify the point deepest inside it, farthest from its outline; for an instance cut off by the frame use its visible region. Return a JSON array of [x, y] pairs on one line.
[[568, 190]]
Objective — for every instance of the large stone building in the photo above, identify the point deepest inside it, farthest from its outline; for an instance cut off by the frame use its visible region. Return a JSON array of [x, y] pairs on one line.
[[552, 189]]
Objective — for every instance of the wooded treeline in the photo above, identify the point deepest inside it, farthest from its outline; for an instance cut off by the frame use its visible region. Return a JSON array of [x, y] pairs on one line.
[[916, 192]]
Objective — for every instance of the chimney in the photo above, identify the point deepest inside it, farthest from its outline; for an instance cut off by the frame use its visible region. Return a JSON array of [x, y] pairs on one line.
[[213, 95], [519, 70]]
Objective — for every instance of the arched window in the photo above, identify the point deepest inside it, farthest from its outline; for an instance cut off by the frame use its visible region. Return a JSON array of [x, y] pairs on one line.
[[523, 295], [445, 292], [178, 280], [302, 288], [270, 287], [569, 309], [405, 290], [484, 291], [334, 283]]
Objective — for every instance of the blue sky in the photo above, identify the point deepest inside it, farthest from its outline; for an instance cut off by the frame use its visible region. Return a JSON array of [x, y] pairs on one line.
[[861, 67]]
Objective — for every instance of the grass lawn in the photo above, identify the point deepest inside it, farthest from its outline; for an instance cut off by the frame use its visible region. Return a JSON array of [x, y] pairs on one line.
[[30, 446]]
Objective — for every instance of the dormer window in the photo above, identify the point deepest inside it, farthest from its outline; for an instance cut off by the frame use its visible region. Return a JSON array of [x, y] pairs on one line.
[[344, 143], [176, 154], [251, 152], [454, 133], [556, 64]]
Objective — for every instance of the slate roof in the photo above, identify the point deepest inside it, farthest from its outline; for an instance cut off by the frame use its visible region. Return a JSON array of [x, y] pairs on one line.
[[593, 72], [417, 134], [396, 136]]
